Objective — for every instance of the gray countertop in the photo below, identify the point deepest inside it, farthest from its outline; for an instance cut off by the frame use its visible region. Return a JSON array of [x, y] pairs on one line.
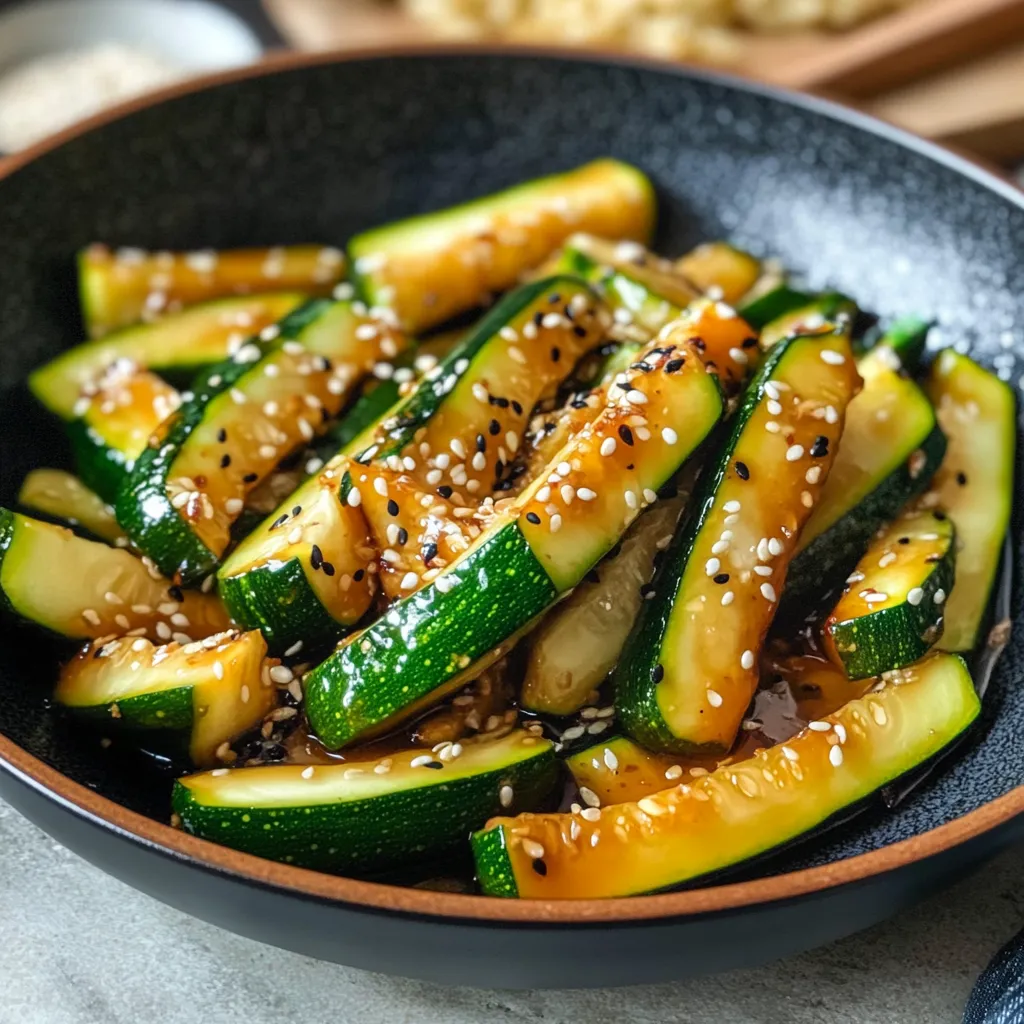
[[78, 947]]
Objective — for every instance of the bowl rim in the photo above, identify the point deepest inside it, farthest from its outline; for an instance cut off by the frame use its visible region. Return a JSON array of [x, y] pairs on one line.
[[172, 843]]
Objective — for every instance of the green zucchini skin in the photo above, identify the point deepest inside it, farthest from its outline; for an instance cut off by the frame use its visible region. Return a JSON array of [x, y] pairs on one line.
[[807, 314], [831, 556], [164, 710], [380, 830], [501, 588], [907, 337], [866, 640], [143, 507], [100, 466]]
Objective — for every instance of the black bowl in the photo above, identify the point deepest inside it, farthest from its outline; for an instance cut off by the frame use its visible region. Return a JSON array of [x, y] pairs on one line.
[[314, 149]]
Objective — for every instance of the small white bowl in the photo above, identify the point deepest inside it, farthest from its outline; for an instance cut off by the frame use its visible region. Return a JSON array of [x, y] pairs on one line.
[[195, 35]]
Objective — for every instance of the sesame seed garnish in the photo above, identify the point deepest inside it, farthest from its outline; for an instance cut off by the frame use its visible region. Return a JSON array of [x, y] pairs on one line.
[[731, 506], [915, 596], [409, 580], [714, 698], [737, 355], [505, 795], [555, 523], [720, 547], [626, 435], [585, 494], [789, 753], [747, 660], [819, 726], [727, 598], [421, 761], [630, 499], [768, 592], [939, 596], [832, 357], [589, 797], [772, 427], [794, 452], [532, 517], [835, 755], [354, 498]]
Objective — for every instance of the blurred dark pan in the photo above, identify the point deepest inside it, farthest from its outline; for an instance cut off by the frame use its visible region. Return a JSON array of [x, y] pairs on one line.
[[316, 148]]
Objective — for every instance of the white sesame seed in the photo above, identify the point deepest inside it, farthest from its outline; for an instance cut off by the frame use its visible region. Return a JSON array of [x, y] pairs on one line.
[[610, 759], [939, 596], [747, 660], [409, 580], [420, 761], [354, 498], [673, 771], [772, 427], [630, 499], [789, 753], [840, 732], [771, 390], [635, 397], [832, 357], [556, 523], [568, 492], [874, 598], [608, 446], [731, 506], [813, 475], [712, 565], [719, 547], [714, 698], [835, 755], [267, 451], [739, 356], [590, 798], [727, 598], [831, 415], [774, 408], [563, 469], [768, 592], [887, 559], [819, 726], [586, 494], [775, 546], [650, 496], [794, 452], [505, 795], [233, 506], [914, 596]]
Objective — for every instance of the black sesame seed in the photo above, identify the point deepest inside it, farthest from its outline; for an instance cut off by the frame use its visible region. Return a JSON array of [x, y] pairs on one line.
[[741, 471], [626, 434], [392, 507], [657, 673], [820, 447], [961, 478], [316, 556], [554, 298], [225, 461], [624, 385], [532, 517], [577, 403], [674, 364], [503, 485], [499, 468], [567, 311], [429, 552], [538, 318], [445, 491], [494, 428], [358, 575], [279, 521], [328, 569], [403, 536], [722, 577], [517, 408], [433, 764], [580, 332], [296, 510], [699, 344], [646, 367], [222, 435], [749, 342], [481, 443], [941, 516], [250, 478], [539, 866], [904, 540], [556, 353]]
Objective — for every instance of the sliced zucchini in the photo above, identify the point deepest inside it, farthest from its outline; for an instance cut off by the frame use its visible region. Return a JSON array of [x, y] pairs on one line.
[[891, 613], [617, 770], [808, 316], [178, 344], [974, 485], [689, 667], [891, 447], [528, 554], [454, 438], [63, 496], [275, 394], [117, 415], [83, 588], [366, 815], [907, 337], [580, 639], [721, 270], [204, 693], [120, 287], [643, 289], [430, 267], [739, 811], [770, 297]]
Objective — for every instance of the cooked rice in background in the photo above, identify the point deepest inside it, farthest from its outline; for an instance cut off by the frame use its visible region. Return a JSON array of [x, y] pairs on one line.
[[684, 29]]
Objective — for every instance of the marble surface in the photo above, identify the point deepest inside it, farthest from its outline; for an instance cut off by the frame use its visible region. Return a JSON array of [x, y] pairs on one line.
[[78, 947]]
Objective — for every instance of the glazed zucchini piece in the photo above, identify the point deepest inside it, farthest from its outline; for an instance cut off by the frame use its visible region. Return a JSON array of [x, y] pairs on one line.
[[892, 445], [83, 588], [430, 267], [200, 696], [275, 394], [617, 770], [525, 557], [366, 815], [891, 613], [689, 667], [178, 345], [974, 485], [120, 287], [739, 811], [808, 315], [721, 270], [645, 291], [579, 641], [454, 439], [62, 496], [115, 418]]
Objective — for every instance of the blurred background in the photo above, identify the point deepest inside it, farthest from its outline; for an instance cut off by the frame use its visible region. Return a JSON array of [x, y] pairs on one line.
[[952, 70]]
